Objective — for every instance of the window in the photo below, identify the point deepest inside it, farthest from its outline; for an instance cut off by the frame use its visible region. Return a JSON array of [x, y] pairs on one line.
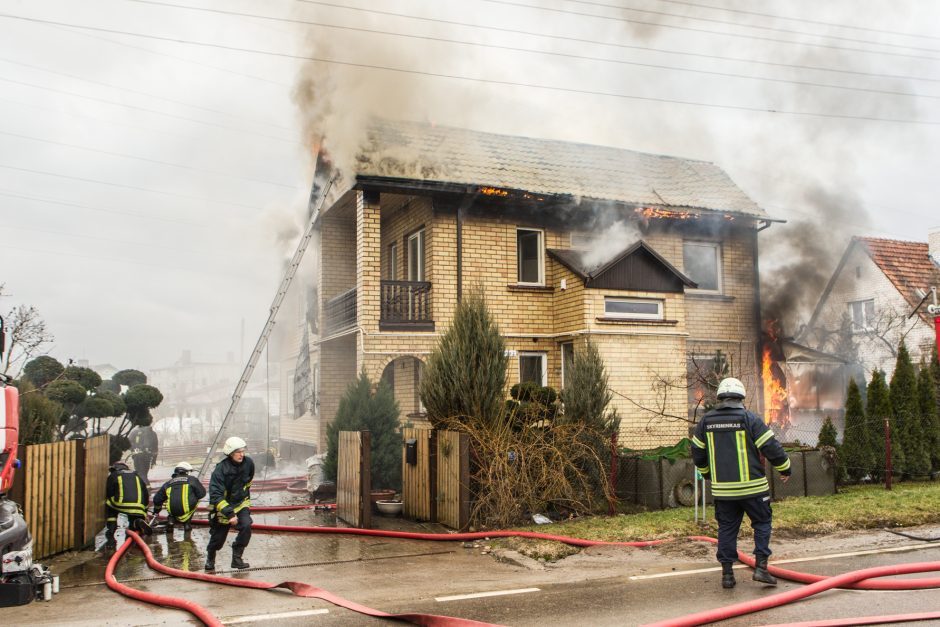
[[529, 255], [567, 358], [633, 308], [863, 313], [416, 256], [702, 263], [532, 368], [393, 261]]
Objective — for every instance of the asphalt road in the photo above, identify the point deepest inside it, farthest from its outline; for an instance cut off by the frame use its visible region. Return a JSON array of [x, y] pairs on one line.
[[599, 586]]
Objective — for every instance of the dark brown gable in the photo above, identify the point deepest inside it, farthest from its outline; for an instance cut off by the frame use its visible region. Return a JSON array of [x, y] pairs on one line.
[[640, 271]]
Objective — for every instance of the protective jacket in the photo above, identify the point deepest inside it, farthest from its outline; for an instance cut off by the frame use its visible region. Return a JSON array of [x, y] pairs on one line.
[[181, 493], [230, 487], [727, 448], [125, 492]]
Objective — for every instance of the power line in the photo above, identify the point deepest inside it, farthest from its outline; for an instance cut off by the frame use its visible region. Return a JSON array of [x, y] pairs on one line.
[[754, 26], [609, 44], [132, 214], [140, 189], [142, 93], [798, 19], [537, 52], [147, 160], [704, 30], [459, 77], [145, 109]]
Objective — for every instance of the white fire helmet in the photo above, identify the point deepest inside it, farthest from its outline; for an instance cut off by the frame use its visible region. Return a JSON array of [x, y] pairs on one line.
[[233, 444], [731, 387], [184, 466]]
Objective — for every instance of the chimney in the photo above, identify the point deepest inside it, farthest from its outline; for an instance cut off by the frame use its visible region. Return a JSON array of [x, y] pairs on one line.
[[933, 244]]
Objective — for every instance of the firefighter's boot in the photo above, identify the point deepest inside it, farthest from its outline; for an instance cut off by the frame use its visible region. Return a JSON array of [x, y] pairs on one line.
[[237, 558], [210, 560], [761, 573], [727, 575]]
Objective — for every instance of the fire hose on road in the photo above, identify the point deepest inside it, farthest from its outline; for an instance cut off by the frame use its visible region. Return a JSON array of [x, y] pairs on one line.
[[867, 579]]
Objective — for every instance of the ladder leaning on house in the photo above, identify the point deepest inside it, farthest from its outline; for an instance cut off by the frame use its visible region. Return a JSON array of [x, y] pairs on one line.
[[269, 325]]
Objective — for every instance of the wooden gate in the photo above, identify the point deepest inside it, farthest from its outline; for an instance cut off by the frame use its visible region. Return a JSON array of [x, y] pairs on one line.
[[419, 478], [61, 487], [453, 479], [353, 478]]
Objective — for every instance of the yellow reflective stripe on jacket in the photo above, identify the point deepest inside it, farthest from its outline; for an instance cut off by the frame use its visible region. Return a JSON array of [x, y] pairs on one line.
[[762, 440], [221, 505], [703, 470], [722, 490], [784, 466], [241, 506], [711, 455], [127, 508], [697, 443], [744, 471]]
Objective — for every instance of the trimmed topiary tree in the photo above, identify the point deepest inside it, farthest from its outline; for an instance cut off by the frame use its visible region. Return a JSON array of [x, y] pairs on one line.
[[361, 409], [907, 416], [465, 376], [856, 456]]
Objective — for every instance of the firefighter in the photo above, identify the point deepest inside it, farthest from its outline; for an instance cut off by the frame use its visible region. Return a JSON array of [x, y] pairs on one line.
[[146, 446], [727, 448], [229, 502], [125, 493], [180, 493]]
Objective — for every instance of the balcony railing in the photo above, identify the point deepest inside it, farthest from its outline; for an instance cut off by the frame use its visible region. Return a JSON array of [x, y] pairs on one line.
[[340, 312], [406, 305]]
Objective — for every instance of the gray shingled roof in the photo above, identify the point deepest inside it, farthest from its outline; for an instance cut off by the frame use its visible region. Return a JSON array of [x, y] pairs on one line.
[[411, 150]]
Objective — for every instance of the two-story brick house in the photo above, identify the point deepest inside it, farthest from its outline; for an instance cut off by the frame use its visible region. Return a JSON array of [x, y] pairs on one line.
[[433, 212]]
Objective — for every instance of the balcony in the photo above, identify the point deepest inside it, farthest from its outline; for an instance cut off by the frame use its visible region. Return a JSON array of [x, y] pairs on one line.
[[339, 312], [406, 306]]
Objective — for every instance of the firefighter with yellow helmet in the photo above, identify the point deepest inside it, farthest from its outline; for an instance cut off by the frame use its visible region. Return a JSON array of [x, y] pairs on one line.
[[727, 447], [230, 502]]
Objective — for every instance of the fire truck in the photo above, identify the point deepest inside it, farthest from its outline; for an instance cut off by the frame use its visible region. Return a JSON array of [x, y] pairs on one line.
[[21, 580]]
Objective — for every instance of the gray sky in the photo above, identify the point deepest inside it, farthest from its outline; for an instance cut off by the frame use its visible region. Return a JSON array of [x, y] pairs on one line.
[[149, 188]]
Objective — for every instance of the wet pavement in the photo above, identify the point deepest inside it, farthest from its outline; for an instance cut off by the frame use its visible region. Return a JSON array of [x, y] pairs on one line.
[[597, 586]]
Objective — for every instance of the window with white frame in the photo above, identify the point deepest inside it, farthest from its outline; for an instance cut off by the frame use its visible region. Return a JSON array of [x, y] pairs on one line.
[[532, 367], [416, 256], [393, 261], [567, 358], [702, 263], [863, 313], [530, 260], [633, 308]]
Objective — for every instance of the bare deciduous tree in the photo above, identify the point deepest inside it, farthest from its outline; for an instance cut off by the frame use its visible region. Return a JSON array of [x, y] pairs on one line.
[[26, 334]]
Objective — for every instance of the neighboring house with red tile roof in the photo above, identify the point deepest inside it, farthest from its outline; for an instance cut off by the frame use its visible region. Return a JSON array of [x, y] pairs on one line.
[[875, 288]]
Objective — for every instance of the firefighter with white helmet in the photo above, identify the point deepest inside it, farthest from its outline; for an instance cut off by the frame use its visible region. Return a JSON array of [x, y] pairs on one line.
[[181, 494], [727, 447], [230, 502]]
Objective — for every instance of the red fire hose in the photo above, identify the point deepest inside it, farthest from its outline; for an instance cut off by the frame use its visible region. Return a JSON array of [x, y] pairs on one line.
[[298, 588]]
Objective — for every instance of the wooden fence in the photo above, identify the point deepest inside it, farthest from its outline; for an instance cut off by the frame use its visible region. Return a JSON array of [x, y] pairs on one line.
[[418, 477], [61, 488], [353, 478], [436, 482]]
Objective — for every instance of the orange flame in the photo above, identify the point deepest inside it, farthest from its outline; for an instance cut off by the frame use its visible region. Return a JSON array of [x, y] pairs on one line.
[[776, 399], [660, 212], [493, 191]]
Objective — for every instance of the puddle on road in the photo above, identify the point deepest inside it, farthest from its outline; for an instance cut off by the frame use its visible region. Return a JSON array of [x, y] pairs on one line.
[[186, 550]]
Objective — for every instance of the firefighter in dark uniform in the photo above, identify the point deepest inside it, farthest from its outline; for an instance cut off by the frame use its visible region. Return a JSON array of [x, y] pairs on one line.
[[180, 493], [125, 493], [727, 448], [229, 502]]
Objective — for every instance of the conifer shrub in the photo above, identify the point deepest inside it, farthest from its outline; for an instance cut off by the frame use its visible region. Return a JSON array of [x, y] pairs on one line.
[[856, 455], [879, 410], [927, 397], [362, 409], [910, 428]]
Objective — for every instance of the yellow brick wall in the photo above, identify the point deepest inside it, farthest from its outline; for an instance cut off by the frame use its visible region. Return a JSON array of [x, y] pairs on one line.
[[337, 370]]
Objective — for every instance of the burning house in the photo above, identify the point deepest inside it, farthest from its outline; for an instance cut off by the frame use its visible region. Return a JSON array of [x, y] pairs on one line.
[[652, 258]]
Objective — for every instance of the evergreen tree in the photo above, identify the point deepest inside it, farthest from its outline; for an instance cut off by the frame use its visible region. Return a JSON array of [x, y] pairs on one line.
[[362, 410], [927, 397], [587, 395], [856, 453], [935, 371], [465, 376], [904, 400], [879, 410]]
